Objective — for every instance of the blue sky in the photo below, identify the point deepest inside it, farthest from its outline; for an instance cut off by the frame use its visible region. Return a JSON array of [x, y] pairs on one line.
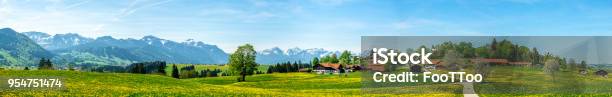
[[328, 24]]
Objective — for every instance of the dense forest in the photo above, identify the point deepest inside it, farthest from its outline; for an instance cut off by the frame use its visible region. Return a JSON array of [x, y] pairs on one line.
[[504, 49], [288, 67]]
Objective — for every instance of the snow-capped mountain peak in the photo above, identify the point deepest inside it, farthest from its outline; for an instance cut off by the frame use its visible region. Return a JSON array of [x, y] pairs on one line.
[[152, 40], [277, 55], [57, 41], [192, 42], [38, 37], [274, 50], [105, 38], [294, 51], [132, 50]]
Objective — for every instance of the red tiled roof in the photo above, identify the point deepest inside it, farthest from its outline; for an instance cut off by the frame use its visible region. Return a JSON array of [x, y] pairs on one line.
[[435, 61], [502, 61], [332, 65]]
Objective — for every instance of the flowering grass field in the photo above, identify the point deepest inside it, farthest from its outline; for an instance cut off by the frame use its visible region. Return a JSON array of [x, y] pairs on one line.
[[123, 84], [524, 81], [289, 84]]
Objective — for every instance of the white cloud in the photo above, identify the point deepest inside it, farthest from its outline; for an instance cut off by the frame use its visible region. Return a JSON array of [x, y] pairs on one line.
[[524, 1], [259, 16], [138, 5], [221, 12], [74, 5], [98, 28], [330, 2], [133, 7], [259, 3], [423, 26], [4, 8], [415, 23], [235, 14]]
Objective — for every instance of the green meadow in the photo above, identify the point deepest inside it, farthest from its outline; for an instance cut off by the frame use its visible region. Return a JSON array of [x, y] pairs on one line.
[[500, 84], [526, 81], [124, 84]]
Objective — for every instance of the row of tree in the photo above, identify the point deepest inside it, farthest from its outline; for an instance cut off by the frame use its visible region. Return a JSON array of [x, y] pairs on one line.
[[452, 53], [454, 57], [155, 67], [190, 72], [346, 58], [109, 68], [499, 50], [287, 67], [44, 64]]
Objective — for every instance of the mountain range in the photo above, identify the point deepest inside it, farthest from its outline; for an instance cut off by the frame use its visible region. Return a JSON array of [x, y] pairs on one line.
[[18, 49], [276, 55], [109, 50], [106, 50]]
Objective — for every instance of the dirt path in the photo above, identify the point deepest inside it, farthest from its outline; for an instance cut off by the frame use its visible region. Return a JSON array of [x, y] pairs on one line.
[[468, 90]]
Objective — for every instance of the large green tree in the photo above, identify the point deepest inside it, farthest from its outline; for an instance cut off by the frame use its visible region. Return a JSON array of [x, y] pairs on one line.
[[315, 62], [345, 58], [583, 65], [551, 66], [453, 60], [45, 64], [175, 71], [243, 61], [333, 58]]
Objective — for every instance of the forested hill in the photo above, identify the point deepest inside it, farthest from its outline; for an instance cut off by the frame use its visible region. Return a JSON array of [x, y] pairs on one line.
[[18, 50]]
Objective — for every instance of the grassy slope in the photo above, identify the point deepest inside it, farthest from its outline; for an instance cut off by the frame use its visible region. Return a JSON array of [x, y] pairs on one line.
[[121, 84], [288, 84], [536, 83], [7, 58]]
